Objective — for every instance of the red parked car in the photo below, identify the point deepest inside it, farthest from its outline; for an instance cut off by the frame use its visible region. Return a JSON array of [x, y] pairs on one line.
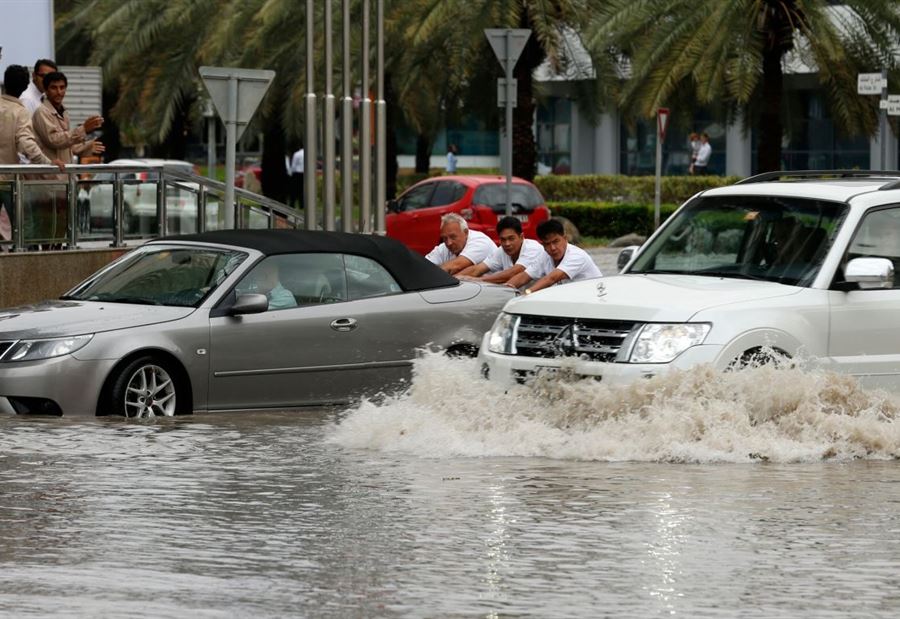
[[415, 217]]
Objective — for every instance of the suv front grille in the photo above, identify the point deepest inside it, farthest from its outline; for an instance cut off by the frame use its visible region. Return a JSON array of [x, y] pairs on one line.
[[552, 336]]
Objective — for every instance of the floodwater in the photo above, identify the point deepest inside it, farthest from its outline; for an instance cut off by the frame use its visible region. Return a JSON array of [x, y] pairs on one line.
[[766, 493]]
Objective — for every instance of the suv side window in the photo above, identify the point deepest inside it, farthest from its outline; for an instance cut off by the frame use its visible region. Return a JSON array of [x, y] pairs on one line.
[[878, 236], [447, 192], [417, 197]]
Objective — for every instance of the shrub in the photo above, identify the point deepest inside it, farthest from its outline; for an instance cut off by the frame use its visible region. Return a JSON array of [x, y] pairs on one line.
[[610, 219], [625, 189]]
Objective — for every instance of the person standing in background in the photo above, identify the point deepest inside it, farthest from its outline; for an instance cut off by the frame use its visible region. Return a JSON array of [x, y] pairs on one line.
[[694, 143], [703, 155], [451, 159], [51, 124], [298, 160], [34, 94]]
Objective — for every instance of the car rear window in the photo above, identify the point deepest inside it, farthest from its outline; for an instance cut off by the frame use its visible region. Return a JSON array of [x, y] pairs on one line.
[[447, 192], [523, 197]]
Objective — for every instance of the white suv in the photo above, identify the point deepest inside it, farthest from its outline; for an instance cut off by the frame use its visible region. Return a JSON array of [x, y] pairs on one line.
[[800, 263]]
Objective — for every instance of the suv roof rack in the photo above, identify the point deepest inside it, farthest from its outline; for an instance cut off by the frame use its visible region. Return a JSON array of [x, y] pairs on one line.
[[798, 174]]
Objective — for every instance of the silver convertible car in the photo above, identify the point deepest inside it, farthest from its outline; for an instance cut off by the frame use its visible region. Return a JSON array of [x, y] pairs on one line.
[[243, 319]]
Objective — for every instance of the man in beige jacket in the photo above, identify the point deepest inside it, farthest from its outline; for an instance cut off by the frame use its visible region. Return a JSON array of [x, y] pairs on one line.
[[16, 136], [51, 124]]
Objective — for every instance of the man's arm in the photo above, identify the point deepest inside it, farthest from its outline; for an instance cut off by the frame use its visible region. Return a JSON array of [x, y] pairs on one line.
[[501, 277], [25, 142], [456, 265], [555, 276], [517, 281], [476, 270]]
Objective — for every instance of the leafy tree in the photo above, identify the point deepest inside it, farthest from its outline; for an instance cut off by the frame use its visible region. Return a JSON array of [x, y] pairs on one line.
[[735, 52]]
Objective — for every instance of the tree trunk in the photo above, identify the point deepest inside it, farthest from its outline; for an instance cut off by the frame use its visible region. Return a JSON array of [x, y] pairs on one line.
[[391, 165], [275, 180], [770, 125], [524, 161], [423, 154]]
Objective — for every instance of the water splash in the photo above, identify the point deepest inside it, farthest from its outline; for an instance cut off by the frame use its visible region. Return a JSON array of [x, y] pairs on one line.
[[768, 413]]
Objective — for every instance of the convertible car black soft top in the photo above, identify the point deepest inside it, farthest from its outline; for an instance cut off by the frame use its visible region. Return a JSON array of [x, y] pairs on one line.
[[410, 269]]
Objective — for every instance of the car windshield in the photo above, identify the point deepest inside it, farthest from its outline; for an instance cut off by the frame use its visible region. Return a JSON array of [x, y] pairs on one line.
[[161, 275], [750, 237]]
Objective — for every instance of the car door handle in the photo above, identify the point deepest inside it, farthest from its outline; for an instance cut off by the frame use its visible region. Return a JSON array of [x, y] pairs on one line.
[[344, 324]]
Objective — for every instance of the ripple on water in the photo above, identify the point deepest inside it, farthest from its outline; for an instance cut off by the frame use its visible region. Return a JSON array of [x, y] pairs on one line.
[[779, 414]]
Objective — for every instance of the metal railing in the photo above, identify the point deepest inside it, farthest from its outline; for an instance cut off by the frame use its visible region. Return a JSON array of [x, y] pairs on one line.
[[114, 205]]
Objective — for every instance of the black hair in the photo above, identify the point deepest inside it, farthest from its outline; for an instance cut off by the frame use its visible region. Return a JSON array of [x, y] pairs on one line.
[[509, 223], [15, 80], [551, 226], [45, 62], [55, 76]]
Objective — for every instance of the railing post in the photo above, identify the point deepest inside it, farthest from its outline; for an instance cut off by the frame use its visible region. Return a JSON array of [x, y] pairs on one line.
[[201, 209], [72, 199], [18, 213], [118, 211], [163, 228]]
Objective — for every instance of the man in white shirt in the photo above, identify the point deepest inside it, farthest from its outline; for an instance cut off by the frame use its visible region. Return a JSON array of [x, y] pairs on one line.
[[296, 190], [34, 94], [703, 155], [561, 263], [459, 247], [515, 254]]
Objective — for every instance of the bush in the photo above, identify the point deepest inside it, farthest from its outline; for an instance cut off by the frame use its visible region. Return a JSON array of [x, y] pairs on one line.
[[610, 219], [626, 189]]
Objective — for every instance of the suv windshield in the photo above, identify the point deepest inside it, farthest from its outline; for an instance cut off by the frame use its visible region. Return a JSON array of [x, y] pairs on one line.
[[161, 275], [753, 237]]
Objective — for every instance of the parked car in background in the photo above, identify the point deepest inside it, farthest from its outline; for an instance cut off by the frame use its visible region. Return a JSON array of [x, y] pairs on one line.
[[414, 217], [140, 208], [238, 319], [784, 264]]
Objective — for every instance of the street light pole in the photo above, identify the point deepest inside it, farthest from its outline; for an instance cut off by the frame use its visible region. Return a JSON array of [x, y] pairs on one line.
[[309, 148], [380, 127], [365, 132], [328, 172], [346, 129]]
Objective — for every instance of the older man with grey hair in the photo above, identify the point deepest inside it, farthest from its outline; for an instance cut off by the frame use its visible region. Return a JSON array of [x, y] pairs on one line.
[[459, 247]]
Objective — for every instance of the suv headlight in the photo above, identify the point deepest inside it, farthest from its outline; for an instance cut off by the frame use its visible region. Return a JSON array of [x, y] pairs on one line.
[[661, 343], [32, 350], [503, 334]]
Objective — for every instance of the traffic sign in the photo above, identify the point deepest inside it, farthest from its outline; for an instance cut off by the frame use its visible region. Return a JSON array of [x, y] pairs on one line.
[[497, 37], [662, 122], [252, 85], [893, 105], [501, 91], [870, 83]]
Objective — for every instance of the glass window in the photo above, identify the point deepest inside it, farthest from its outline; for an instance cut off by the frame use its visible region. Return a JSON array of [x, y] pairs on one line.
[[878, 236], [749, 237], [524, 197], [290, 280], [416, 197], [160, 275], [447, 192], [366, 278]]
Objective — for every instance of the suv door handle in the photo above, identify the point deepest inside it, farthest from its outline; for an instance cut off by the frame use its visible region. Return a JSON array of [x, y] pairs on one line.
[[344, 324]]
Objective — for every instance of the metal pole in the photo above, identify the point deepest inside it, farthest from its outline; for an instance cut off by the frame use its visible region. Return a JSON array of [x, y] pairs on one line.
[[365, 132], [658, 176], [230, 147], [18, 214], [380, 125], [72, 201], [346, 130], [309, 147], [509, 121], [328, 176], [211, 146], [883, 122]]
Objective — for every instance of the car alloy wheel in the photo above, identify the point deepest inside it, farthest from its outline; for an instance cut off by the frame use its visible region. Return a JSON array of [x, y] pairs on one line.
[[150, 391]]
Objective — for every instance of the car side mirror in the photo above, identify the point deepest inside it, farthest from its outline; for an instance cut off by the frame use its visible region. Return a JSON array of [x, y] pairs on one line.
[[626, 255], [393, 206], [870, 273], [249, 304]]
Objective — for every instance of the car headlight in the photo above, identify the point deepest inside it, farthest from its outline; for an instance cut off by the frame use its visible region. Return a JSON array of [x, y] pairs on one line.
[[32, 350], [661, 343], [503, 334]]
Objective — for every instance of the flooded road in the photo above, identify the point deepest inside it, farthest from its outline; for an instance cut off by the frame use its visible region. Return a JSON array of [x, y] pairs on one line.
[[698, 496]]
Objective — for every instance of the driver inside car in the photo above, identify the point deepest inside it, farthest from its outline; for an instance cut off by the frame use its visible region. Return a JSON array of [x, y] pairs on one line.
[[264, 279]]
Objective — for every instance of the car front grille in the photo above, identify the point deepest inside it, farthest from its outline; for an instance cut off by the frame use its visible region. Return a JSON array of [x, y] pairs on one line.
[[4, 346], [552, 336]]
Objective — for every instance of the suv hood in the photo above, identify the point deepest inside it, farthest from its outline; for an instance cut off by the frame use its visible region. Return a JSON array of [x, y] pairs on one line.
[[61, 318], [645, 298]]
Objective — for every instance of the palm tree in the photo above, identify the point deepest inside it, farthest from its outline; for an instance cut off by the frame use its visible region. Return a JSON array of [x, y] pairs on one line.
[[460, 25], [734, 52]]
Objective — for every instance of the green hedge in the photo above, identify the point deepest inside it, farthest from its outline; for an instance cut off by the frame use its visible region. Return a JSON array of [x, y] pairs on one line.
[[610, 219], [625, 189]]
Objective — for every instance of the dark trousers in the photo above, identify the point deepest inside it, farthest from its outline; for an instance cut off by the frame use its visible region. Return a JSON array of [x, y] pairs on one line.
[[295, 197]]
